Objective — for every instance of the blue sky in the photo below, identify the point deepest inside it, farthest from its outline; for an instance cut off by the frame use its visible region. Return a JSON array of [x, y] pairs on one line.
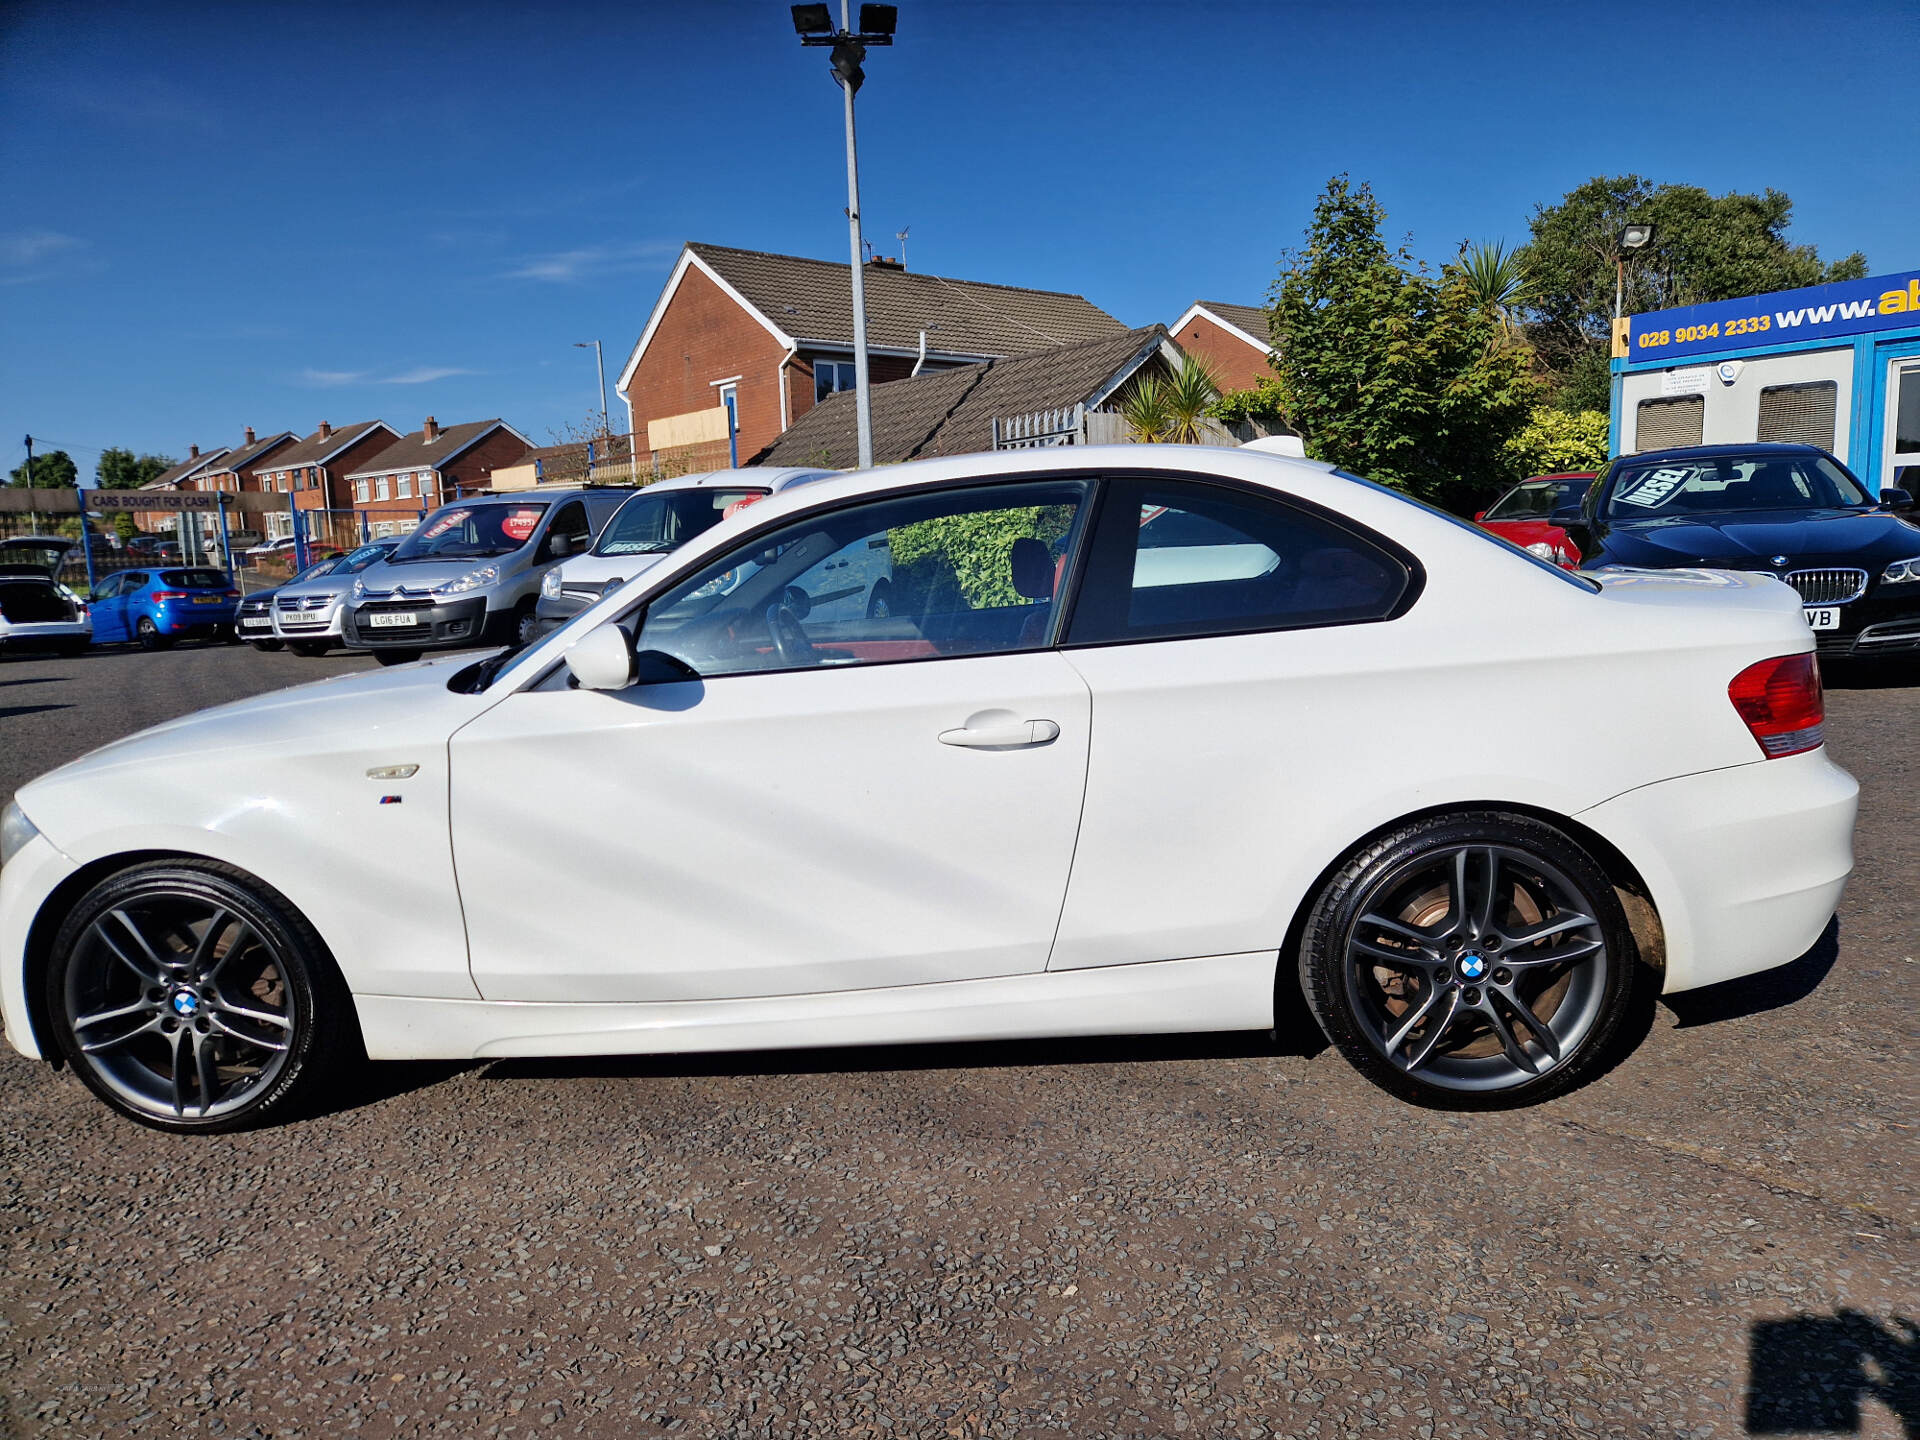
[[227, 215]]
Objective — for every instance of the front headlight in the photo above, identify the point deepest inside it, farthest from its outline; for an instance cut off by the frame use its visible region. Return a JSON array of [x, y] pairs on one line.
[[1901, 571], [1546, 550], [15, 831], [550, 584], [360, 588], [472, 580]]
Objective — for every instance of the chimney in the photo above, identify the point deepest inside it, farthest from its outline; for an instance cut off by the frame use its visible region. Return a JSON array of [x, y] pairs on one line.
[[431, 430], [885, 262], [249, 434], [326, 430], [193, 452]]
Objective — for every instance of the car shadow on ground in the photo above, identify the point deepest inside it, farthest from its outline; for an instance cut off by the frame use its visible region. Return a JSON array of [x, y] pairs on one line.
[[1756, 994], [1808, 1374], [1890, 674], [8, 712]]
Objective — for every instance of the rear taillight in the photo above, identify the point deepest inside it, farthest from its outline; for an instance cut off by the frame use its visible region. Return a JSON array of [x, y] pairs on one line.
[[1782, 703], [168, 595]]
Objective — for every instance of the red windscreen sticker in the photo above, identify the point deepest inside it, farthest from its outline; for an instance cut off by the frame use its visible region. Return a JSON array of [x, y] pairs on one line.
[[519, 523], [446, 522], [737, 506]]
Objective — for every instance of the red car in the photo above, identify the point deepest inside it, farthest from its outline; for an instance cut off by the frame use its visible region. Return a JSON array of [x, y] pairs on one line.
[[1521, 514]]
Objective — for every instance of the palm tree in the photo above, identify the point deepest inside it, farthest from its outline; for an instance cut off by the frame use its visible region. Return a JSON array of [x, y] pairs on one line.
[[1495, 276], [1193, 387], [1146, 411]]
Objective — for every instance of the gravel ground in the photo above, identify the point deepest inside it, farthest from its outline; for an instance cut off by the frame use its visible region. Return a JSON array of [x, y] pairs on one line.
[[1216, 1235]]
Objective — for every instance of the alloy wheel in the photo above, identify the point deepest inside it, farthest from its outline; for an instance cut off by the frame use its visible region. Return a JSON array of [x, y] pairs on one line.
[[1476, 967], [181, 1006]]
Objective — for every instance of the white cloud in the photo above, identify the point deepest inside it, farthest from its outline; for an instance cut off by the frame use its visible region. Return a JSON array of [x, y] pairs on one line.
[[24, 253], [425, 375], [565, 266], [328, 379]]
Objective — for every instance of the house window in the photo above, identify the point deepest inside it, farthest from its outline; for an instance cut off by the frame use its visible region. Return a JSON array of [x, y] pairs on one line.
[[426, 484], [360, 491], [380, 488], [403, 487], [829, 376]]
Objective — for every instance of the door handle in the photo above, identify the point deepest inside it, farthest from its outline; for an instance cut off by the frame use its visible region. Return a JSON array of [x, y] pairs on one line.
[[1012, 736]]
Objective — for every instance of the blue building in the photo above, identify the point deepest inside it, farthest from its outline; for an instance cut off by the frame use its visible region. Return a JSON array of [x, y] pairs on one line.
[[1833, 365]]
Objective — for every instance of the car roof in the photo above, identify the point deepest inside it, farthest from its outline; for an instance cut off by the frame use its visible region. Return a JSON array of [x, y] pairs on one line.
[[749, 477], [1723, 452]]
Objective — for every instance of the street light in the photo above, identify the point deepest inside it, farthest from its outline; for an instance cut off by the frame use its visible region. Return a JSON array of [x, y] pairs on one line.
[[1632, 237], [814, 25], [600, 361]]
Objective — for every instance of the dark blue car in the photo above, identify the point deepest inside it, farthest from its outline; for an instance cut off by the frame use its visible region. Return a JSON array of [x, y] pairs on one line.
[[154, 608]]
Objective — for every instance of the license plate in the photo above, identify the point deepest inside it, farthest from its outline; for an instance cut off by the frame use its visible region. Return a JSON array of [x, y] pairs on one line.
[[207, 599], [255, 622], [1823, 617], [392, 619]]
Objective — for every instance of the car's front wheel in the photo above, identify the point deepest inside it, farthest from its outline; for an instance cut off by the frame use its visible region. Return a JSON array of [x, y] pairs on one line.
[[1470, 961], [191, 997]]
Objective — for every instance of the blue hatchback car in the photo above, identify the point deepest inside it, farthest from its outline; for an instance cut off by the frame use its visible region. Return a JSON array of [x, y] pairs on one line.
[[154, 608]]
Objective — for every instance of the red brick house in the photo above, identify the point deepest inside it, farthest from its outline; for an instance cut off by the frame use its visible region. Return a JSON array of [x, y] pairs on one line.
[[771, 335], [313, 472], [432, 465], [177, 477], [238, 469], [1230, 338]]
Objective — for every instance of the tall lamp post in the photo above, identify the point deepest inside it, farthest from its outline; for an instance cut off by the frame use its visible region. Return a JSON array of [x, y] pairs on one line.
[[1632, 237], [600, 361], [814, 25]]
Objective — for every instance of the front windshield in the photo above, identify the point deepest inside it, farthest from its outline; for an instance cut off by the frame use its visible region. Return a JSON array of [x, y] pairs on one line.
[[1537, 499], [358, 560], [1731, 482], [472, 532], [317, 569], [654, 524]]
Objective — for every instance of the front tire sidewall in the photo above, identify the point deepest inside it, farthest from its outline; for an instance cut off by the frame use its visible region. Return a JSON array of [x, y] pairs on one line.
[[317, 999], [1345, 896]]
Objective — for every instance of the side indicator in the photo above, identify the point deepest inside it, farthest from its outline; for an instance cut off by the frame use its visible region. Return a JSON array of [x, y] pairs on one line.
[[392, 772]]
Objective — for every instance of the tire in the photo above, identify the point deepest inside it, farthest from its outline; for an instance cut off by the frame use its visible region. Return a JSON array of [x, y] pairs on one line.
[[880, 600], [1431, 1003], [148, 635], [531, 626], [311, 649], [264, 646], [396, 657], [211, 969]]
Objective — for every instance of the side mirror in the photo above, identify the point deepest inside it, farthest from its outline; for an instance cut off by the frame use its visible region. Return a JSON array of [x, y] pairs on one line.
[[1894, 498], [559, 547], [1478, 516], [657, 667], [602, 659]]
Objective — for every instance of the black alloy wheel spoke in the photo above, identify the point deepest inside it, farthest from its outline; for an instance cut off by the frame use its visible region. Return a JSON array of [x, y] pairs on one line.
[[1542, 1032], [1418, 1056]]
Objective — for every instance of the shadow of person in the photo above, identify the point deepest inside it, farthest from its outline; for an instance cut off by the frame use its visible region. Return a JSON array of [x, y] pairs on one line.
[[1756, 994], [1810, 1373]]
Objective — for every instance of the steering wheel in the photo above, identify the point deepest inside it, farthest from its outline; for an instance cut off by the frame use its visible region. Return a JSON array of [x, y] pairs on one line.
[[790, 640]]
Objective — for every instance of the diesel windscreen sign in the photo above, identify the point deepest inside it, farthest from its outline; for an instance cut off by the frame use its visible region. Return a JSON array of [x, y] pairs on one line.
[[1848, 307], [152, 500]]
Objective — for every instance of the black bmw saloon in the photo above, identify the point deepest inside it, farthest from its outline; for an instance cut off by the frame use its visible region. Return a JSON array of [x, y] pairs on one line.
[[1790, 510]]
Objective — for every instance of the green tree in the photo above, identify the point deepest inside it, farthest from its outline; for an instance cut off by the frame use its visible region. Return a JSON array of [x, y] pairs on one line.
[[54, 470], [1260, 401], [1388, 370], [1146, 411], [1705, 247], [123, 470], [1555, 441], [1498, 283], [1190, 392]]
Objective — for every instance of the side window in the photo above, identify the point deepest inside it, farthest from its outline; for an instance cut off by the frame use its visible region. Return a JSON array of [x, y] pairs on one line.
[[109, 587], [571, 522], [1178, 559], [958, 572]]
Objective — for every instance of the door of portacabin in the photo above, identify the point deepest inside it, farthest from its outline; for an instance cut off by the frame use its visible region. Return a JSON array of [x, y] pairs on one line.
[[1899, 447]]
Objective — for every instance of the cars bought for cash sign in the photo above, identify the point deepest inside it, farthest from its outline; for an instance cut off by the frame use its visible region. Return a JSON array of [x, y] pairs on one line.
[[1846, 307]]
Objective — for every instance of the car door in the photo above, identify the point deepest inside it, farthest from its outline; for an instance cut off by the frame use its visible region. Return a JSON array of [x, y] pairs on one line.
[[1243, 663], [839, 801], [109, 609]]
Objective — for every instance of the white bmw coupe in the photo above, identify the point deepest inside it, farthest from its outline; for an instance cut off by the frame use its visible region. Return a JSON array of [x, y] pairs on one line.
[[1142, 739]]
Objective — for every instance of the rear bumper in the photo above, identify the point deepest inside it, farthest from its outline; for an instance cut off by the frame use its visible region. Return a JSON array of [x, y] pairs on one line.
[[1746, 865], [190, 620], [33, 634]]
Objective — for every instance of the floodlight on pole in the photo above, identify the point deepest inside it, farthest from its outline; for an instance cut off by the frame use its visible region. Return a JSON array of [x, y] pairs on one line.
[[1632, 237], [814, 25]]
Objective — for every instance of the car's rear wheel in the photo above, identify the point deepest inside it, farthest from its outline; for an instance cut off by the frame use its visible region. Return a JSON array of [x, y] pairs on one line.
[[191, 997], [148, 635], [1470, 961]]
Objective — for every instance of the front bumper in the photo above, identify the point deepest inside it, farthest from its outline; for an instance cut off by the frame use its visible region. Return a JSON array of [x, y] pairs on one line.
[[25, 884], [444, 624], [1875, 624], [1745, 865], [308, 624]]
